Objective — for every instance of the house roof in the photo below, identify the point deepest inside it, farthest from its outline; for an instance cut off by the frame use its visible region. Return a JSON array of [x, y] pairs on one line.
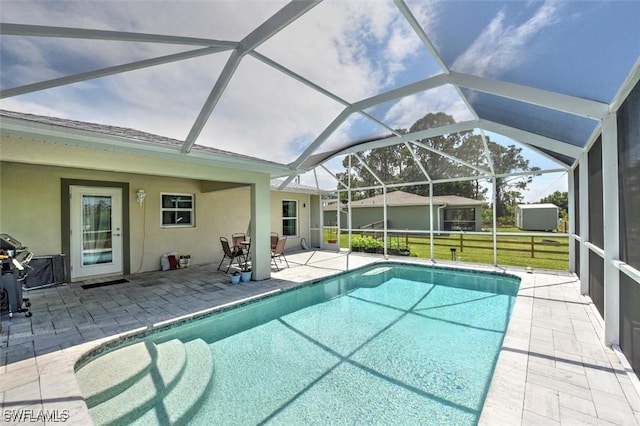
[[537, 206], [401, 198], [293, 187], [55, 128], [298, 82]]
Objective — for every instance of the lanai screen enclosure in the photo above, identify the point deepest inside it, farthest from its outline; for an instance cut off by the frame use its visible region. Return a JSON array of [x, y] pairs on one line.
[[294, 88]]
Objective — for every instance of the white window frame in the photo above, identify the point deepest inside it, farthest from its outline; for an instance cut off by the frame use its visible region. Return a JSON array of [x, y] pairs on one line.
[[163, 209], [291, 217]]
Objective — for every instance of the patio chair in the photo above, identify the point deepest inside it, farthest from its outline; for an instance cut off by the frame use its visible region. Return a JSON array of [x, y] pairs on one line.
[[278, 252], [274, 240], [231, 254], [240, 243]]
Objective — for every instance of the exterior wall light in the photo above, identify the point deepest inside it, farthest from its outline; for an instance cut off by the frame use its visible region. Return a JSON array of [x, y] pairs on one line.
[[140, 196]]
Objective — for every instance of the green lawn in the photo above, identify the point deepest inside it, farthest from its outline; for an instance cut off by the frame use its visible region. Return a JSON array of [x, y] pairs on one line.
[[479, 249]]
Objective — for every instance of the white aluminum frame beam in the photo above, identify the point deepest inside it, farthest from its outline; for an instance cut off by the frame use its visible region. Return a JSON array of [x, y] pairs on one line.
[[289, 13], [611, 222], [212, 100], [66, 32], [297, 77], [322, 137], [410, 137], [417, 160], [544, 98], [401, 92], [75, 78], [532, 139], [451, 157], [413, 22], [571, 210], [487, 152], [332, 175], [583, 190]]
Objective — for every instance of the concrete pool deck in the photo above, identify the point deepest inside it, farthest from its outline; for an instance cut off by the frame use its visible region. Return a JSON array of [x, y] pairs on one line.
[[553, 368]]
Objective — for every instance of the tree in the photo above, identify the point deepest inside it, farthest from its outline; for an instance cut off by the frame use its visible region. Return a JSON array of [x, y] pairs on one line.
[[509, 189], [560, 199], [396, 164]]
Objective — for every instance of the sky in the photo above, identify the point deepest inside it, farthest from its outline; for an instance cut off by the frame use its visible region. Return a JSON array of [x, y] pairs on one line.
[[354, 49]]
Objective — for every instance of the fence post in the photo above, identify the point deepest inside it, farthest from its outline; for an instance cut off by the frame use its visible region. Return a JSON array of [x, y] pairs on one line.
[[533, 250], [461, 243]]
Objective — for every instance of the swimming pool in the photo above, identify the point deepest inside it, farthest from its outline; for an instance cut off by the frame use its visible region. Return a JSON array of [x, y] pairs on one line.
[[389, 343]]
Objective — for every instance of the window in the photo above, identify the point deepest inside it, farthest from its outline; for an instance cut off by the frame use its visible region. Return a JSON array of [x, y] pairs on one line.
[[177, 210], [460, 219], [290, 218]]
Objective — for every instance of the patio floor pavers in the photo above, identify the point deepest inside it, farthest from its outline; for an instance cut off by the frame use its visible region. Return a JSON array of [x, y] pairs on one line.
[[553, 367]]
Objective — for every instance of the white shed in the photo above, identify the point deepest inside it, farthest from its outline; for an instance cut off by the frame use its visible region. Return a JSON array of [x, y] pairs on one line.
[[537, 217]]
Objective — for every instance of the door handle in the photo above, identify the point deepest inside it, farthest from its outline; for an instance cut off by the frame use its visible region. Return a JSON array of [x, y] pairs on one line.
[[116, 235]]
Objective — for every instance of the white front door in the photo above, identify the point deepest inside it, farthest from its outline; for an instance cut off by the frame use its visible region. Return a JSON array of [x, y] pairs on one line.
[[96, 231]]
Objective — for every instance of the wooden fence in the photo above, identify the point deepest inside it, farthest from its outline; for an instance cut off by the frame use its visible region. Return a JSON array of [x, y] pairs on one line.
[[532, 245]]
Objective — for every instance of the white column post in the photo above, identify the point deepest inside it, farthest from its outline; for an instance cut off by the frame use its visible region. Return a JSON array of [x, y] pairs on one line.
[[349, 218], [584, 222], [261, 229], [431, 220], [495, 223], [384, 218], [572, 223], [611, 229]]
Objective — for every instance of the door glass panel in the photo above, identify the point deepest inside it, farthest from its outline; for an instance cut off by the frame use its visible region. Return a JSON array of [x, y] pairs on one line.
[[96, 229], [330, 221]]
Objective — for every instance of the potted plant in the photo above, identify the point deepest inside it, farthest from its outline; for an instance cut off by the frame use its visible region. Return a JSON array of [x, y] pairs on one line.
[[235, 277], [332, 238], [245, 272]]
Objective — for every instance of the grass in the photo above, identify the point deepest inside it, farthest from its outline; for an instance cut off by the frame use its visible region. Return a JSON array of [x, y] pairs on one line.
[[479, 249]]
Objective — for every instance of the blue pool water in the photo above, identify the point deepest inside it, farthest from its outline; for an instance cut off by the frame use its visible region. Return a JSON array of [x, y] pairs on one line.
[[382, 345]]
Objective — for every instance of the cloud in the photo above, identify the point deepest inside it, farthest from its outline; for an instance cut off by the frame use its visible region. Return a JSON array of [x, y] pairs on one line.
[[502, 45], [354, 48], [442, 99]]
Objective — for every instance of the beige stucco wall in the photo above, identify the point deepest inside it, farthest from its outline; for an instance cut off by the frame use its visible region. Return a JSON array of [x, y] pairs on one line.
[[30, 211], [304, 209], [30, 199]]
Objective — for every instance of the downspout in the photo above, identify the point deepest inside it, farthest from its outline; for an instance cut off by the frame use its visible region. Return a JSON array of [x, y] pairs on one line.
[[440, 208]]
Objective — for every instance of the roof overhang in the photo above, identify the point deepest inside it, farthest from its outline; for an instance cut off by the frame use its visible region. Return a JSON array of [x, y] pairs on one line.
[[19, 128]]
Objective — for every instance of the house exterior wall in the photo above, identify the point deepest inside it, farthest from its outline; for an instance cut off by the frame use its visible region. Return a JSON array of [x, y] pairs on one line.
[[31, 212], [304, 212], [403, 217], [30, 199], [399, 217]]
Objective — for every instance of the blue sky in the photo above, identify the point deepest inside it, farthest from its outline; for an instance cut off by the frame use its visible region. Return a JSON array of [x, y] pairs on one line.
[[355, 49]]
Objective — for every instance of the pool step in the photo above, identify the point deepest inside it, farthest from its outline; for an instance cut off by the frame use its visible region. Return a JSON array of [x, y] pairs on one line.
[[112, 373], [148, 384], [129, 404], [182, 402]]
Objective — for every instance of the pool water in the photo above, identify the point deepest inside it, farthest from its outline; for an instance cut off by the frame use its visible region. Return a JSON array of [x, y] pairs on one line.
[[384, 345]]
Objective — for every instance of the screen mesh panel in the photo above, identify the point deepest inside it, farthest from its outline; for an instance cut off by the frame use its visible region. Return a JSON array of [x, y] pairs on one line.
[[629, 177], [596, 233]]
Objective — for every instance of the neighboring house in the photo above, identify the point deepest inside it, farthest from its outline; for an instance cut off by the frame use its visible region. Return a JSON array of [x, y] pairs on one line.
[[407, 211], [114, 200]]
